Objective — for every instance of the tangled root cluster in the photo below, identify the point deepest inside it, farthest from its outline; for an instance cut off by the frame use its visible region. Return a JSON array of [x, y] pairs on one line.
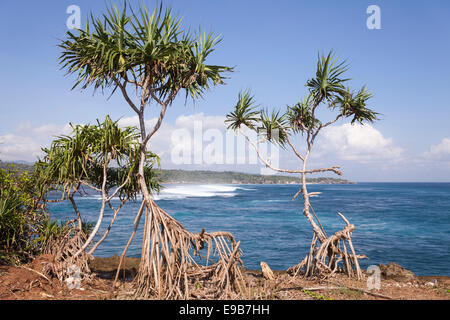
[[177, 264], [63, 249], [331, 256]]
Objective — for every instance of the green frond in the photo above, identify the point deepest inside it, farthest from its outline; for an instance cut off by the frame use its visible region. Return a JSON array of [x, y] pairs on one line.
[[84, 153], [125, 44], [300, 118], [328, 81], [354, 104], [271, 127], [244, 112]]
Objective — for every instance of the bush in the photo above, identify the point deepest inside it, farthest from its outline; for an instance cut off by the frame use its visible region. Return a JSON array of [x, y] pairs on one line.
[[24, 224]]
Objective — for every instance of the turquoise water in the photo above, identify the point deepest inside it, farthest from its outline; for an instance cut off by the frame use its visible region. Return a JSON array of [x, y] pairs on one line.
[[408, 223]]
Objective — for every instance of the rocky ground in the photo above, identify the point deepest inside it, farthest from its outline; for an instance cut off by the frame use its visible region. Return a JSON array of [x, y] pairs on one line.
[[29, 283]]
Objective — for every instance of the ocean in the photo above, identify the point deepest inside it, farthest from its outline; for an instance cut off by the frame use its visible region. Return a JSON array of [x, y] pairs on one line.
[[406, 223]]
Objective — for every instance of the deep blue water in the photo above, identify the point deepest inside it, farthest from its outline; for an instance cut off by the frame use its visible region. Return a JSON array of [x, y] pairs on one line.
[[407, 223]]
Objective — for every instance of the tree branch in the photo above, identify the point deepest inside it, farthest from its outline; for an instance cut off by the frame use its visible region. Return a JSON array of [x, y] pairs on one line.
[[125, 94], [118, 189], [290, 143], [157, 125], [105, 234], [267, 163], [264, 160], [161, 114], [324, 126], [87, 184]]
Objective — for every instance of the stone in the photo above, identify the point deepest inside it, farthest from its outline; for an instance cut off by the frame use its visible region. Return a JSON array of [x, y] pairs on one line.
[[396, 272], [266, 271]]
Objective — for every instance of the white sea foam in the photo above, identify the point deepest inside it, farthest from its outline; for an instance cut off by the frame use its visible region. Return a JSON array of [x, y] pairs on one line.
[[90, 197], [185, 191]]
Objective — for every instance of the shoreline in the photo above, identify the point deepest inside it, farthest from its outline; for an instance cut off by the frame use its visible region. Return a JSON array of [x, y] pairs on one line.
[[110, 264]]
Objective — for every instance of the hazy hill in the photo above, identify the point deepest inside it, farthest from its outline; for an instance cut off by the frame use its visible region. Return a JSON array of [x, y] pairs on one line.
[[200, 176]]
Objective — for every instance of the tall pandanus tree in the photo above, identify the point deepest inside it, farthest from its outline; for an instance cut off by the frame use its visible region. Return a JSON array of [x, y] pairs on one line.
[[328, 254], [148, 55]]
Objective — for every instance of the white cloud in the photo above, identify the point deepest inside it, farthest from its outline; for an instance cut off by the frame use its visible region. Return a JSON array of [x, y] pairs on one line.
[[15, 147], [134, 122], [357, 142], [207, 122], [440, 151], [26, 142], [50, 130]]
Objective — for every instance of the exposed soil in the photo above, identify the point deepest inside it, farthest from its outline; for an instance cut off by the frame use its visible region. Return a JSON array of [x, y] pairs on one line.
[[29, 283]]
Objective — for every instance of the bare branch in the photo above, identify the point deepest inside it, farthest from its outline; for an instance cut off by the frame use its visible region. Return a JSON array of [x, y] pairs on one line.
[[157, 125], [118, 189], [324, 126], [102, 211], [290, 142], [125, 94], [87, 184], [267, 163], [105, 234], [333, 169]]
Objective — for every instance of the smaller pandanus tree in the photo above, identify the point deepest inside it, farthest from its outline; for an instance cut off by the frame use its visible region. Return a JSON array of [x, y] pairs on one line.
[[102, 158], [327, 254]]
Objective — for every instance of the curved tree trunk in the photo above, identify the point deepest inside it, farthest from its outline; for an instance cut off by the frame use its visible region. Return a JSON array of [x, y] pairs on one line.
[[324, 259], [167, 269], [102, 211], [105, 234]]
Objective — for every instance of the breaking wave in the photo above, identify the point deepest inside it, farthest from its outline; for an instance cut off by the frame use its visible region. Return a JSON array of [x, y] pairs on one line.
[[190, 191], [186, 191]]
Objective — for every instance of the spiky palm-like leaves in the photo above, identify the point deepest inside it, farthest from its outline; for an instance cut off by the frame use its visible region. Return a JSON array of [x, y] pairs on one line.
[[81, 156], [271, 126], [328, 81], [148, 48], [244, 112], [85, 159], [267, 124], [299, 116], [327, 88], [353, 104]]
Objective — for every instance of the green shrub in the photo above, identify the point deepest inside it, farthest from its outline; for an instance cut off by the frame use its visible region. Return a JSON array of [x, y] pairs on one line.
[[23, 221]]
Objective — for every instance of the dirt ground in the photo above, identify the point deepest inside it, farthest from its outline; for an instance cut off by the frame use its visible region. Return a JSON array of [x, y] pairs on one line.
[[29, 283]]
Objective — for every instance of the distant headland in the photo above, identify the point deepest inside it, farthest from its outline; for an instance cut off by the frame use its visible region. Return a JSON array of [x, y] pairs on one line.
[[172, 176], [231, 177]]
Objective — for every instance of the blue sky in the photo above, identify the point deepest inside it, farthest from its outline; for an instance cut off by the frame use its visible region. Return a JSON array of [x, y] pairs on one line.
[[274, 46]]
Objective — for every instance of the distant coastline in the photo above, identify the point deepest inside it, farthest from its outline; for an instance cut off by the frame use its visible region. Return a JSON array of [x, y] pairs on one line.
[[172, 176], [231, 177]]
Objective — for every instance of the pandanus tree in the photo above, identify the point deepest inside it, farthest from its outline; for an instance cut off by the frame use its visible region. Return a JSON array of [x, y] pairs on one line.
[[103, 158], [148, 55], [328, 254]]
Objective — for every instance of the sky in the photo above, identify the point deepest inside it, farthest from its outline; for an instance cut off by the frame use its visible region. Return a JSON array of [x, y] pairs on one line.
[[273, 46]]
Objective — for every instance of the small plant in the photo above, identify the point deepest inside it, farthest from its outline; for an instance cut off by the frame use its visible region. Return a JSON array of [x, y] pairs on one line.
[[315, 295], [87, 227], [349, 292], [49, 230]]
